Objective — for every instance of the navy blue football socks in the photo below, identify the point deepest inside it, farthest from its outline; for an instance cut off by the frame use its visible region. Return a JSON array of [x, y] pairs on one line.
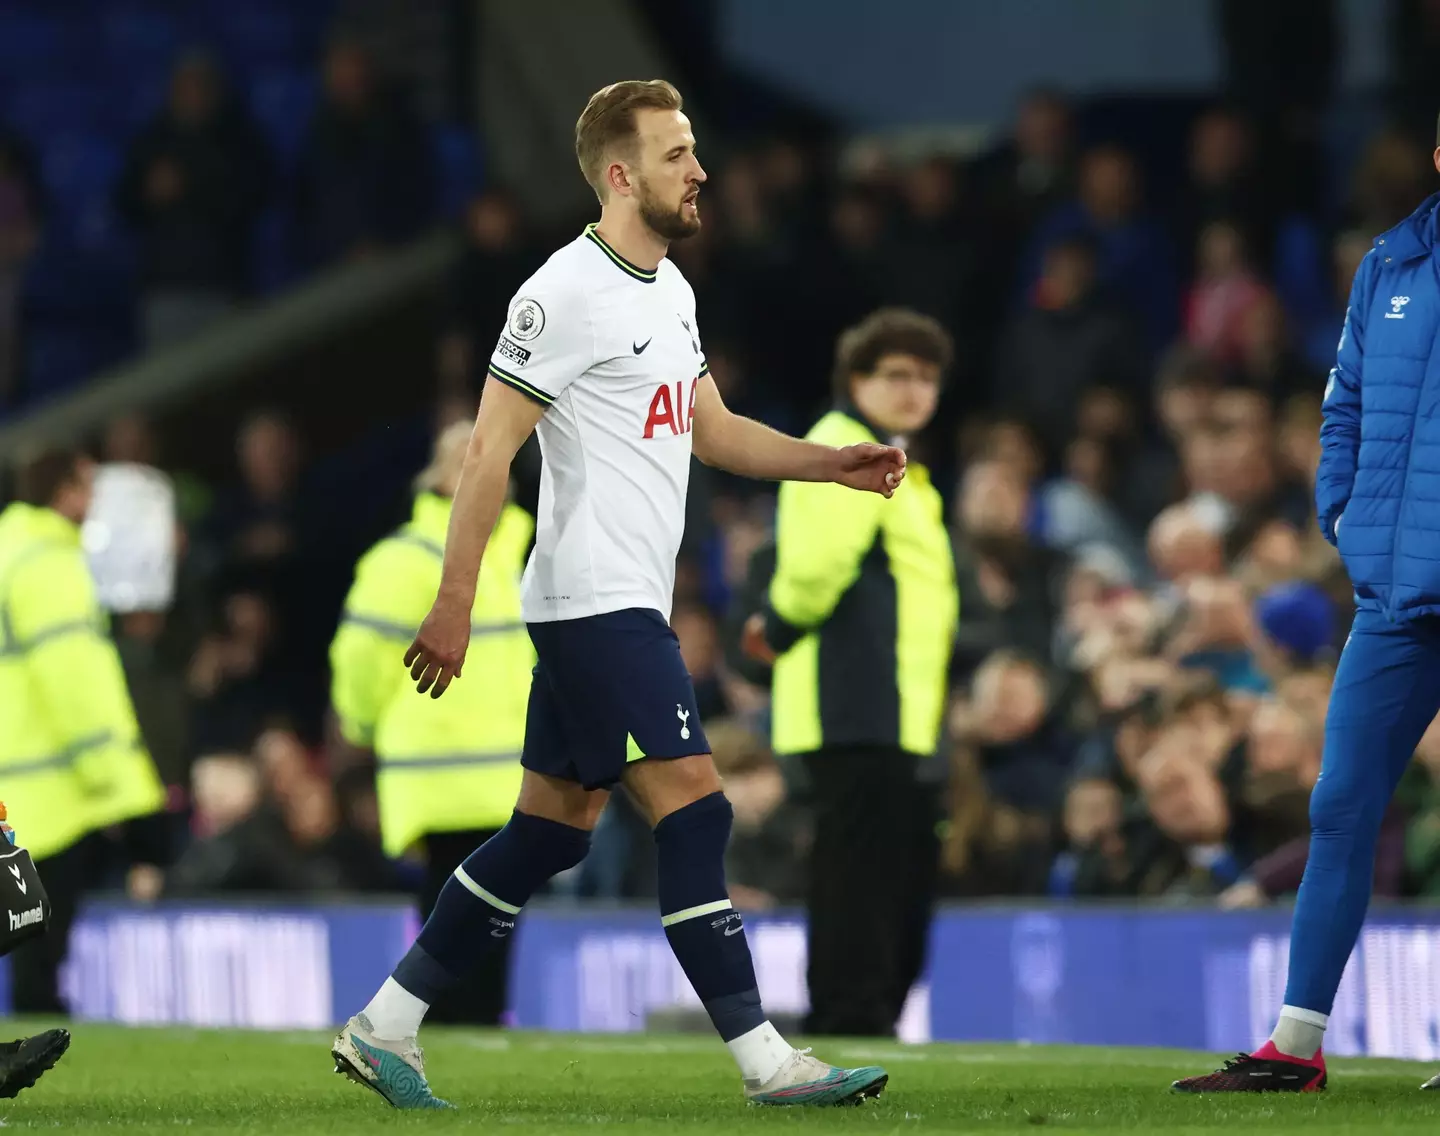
[[479, 903], [704, 931]]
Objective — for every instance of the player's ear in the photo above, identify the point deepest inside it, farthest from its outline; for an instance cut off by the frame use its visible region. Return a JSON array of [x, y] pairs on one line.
[[619, 177]]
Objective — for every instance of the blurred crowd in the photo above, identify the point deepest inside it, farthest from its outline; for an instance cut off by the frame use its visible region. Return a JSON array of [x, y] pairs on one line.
[[140, 205], [1149, 616]]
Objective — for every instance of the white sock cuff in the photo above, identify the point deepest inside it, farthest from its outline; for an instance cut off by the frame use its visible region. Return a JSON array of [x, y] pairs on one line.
[[1309, 1017]]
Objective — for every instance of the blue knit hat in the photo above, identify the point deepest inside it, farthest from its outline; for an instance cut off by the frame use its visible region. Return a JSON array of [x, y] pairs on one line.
[[1298, 617]]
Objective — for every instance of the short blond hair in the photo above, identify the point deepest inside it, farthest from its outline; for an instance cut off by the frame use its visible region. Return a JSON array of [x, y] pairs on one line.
[[607, 123]]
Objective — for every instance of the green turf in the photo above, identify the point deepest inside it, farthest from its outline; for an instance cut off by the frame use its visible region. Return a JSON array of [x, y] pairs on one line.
[[202, 1082]]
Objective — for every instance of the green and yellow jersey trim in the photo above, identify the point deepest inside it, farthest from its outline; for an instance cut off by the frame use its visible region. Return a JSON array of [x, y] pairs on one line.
[[522, 386], [619, 261]]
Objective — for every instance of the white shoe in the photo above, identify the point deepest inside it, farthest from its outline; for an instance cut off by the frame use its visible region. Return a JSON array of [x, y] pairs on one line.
[[394, 1069], [803, 1079]]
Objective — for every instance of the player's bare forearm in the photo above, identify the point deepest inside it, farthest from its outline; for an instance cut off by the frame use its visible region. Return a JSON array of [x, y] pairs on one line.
[[752, 449], [742, 446], [478, 502], [505, 420]]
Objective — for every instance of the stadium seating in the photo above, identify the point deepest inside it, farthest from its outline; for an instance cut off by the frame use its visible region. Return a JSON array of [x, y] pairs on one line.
[[78, 78]]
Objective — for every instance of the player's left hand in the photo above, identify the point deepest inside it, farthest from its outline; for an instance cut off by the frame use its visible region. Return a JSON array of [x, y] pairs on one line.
[[438, 652], [871, 468]]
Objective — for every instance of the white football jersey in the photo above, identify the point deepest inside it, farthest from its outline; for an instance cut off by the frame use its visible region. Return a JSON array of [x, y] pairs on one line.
[[613, 353]]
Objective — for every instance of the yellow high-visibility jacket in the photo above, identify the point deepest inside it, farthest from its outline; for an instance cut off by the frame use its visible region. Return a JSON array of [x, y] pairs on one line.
[[862, 610], [71, 756], [443, 764]]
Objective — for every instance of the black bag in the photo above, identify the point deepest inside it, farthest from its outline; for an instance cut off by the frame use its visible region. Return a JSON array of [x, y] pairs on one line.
[[27, 907]]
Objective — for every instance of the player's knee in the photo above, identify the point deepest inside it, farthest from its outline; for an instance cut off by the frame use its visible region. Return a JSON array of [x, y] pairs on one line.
[[662, 787], [563, 802], [1339, 806]]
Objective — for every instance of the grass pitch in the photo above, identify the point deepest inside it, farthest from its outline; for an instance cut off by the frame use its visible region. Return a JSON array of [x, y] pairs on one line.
[[197, 1081]]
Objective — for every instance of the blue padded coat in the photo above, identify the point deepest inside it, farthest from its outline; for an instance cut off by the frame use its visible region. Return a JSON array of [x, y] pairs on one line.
[[1377, 492]]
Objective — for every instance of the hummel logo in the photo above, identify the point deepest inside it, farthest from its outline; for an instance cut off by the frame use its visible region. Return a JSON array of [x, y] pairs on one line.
[[1396, 303], [26, 918], [639, 349], [21, 884]]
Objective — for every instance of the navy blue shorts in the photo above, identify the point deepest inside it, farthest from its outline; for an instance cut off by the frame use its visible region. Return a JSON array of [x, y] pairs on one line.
[[609, 689]]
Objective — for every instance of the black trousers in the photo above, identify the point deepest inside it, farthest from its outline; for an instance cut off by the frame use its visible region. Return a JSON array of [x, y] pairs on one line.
[[478, 999], [35, 965], [873, 874]]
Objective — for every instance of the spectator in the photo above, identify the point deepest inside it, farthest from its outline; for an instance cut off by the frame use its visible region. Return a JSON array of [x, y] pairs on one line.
[[1010, 584], [1225, 290], [248, 844], [1394, 174], [1296, 625], [193, 185], [1094, 810], [1224, 184], [1282, 763], [1024, 751], [1264, 357], [933, 263], [1070, 340], [699, 639], [365, 178], [233, 681], [1134, 254], [1185, 543], [497, 254], [21, 214], [1029, 175], [990, 848], [1075, 512], [257, 524], [1183, 850]]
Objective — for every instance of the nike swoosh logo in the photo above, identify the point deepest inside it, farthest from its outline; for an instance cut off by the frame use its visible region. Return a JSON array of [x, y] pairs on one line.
[[497, 934], [640, 349], [733, 931]]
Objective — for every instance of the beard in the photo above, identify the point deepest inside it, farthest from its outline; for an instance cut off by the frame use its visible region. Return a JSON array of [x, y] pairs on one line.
[[667, 222]]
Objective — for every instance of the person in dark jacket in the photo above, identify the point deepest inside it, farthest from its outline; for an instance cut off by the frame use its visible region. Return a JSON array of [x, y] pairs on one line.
[[1071, 339], [1373, 501], [365, 175], [192, 188]]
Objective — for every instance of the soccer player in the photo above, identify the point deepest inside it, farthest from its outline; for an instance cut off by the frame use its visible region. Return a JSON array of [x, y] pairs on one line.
[[1375, 495], [601, 353]]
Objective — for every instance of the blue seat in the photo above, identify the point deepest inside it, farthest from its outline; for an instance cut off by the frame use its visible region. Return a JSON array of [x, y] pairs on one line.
[[140, 38], [80, 172], [67, 281], [457, 166], [32, 43], [283, 101], [254, 35], [60, 356], [139, 98], [272, 260], [44, 108]]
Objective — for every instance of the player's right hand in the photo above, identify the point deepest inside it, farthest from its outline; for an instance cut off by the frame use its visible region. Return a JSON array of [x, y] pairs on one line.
[[438, 652]]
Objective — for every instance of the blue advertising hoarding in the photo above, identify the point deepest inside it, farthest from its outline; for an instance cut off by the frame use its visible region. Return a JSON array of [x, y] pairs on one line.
[[1080, 975]]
